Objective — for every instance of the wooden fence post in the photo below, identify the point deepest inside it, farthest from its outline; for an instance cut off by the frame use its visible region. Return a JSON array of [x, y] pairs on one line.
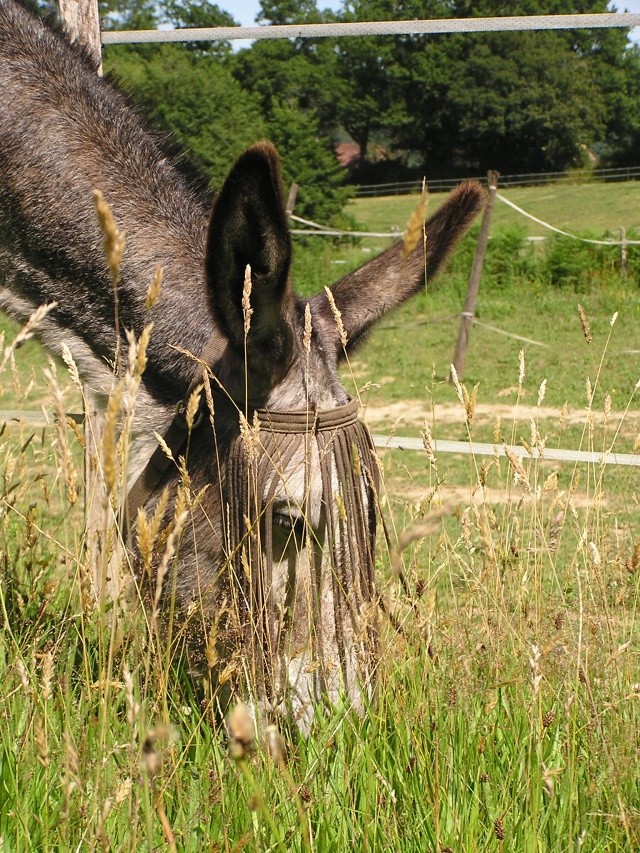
[[291, 200], [623, 252], [82, 21], [468, 312]]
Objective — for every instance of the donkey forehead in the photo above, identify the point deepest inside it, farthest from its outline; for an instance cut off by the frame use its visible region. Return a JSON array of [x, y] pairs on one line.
[[313, 378]]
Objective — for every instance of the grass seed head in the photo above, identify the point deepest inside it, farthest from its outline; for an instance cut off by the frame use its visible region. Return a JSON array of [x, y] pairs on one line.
[[427, 441], [242, 732], [521, 372], [415, 226], [193, 406], [247, 310], [114, 242], [276, 746], [306, 338], [153, 292], [586, 329], [337, 316], [542, 390]]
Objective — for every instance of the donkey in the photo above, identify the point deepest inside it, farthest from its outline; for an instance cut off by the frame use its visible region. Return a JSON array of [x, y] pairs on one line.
[[276, 561]]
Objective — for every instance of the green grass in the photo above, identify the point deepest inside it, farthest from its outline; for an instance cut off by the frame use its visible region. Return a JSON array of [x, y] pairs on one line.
[[577, 208], [507, 714]]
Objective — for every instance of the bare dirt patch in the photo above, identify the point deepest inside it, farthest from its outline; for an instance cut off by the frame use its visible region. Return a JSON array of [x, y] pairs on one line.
[[450, 497], [414, 412]]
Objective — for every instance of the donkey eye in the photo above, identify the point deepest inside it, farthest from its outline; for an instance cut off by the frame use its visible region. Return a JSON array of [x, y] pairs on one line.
[[295, 524]]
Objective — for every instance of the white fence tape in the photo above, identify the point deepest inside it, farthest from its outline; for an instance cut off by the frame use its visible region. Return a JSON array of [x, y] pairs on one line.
[[474, 448], [565, 233], [506, 23]]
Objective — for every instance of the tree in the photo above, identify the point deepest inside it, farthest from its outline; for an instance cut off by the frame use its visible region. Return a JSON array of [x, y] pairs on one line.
[[308, 161], [197, 100], [517, 101]]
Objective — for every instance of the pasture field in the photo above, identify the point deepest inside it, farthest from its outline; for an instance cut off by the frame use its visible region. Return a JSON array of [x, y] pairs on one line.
[[507, 714]]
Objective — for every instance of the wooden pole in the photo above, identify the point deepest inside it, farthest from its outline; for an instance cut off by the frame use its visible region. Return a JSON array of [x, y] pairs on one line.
[[291, 200], [468, 312], [82, 22], [623, 252]]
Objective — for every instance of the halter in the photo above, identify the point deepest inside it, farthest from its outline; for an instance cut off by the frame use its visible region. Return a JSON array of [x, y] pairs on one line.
[[295, 422]]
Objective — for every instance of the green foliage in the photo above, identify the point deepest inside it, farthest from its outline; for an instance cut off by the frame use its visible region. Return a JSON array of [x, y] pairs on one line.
[[309, 162], [464, 103], [195, 98]]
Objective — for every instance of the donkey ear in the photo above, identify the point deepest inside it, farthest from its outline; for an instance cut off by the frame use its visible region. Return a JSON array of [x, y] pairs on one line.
[[366, 295], [249, 226]]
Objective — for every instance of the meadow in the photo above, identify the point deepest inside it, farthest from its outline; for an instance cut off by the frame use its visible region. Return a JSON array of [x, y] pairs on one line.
[[507, 711]]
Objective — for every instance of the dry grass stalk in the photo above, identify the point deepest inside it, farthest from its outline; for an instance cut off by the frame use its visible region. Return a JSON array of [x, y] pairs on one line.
[[208, 395], [516, 464], [114, 242], [63, 451], [24, 677], [133, 707], [406, 538], [337, 316], [153, 292], [427, 441], [465, 521], [193, 405], [169, 552], [534, 664], [456, 384], [242, 732], [586, 329], [42, 743], [542, 390], [247, 310], [138, 361], [110, 439], [211, 651], [276, 746], [68, 359], [47, 675], [306, 338], [589, 391], [165, 447], [415, 226], [26, 332], [71, 770], [467, 401], [521, 372], [250, 434], [148, 529]]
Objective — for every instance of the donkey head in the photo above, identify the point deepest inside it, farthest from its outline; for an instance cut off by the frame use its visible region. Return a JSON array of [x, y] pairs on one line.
[[298, 478]]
